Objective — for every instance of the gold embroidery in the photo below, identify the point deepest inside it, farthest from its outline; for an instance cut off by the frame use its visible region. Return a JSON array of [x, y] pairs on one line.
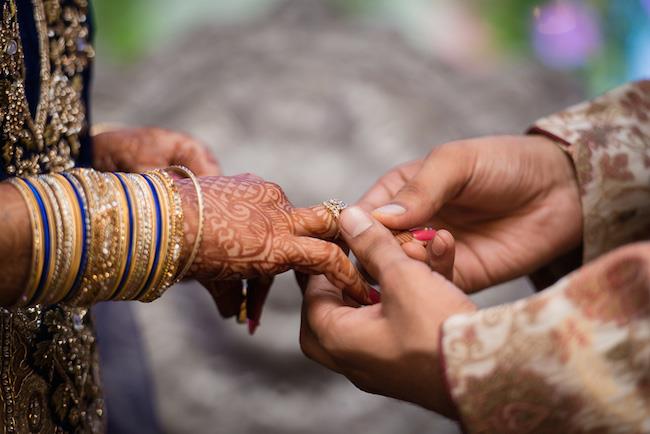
[[49, 142], [48, 368]]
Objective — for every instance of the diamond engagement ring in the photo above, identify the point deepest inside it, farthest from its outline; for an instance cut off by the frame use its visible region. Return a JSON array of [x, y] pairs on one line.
[[334, 207]]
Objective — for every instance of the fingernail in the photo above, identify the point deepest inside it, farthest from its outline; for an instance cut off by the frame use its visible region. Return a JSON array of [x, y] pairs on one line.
[[391, 209], [355, 221], [426, 234], [375, 296], [438, 246], [252, 326]]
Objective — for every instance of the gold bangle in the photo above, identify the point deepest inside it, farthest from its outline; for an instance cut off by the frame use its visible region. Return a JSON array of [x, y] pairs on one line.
[[104, 214], [119, 262], [147, 293], [145, 239], [51, 271], [76, 226], [37, 242], [84, 233], [61, 254], [128, 189], [184, 171], [177, 235], [173, 239], [142, 238]]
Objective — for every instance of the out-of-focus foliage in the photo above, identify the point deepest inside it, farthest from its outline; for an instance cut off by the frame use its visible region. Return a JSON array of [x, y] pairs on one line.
[[604, 41], [127, 28]]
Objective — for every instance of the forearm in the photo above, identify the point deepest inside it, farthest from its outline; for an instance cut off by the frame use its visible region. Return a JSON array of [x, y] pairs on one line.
[[15, 244], [82, 237]]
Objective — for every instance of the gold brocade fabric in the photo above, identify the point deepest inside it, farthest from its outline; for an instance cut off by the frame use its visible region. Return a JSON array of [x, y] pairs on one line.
[[576, 357], [49, 370]]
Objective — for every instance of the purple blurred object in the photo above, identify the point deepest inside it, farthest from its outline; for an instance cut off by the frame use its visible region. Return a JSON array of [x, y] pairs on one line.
[[565, 33], [646, 5]]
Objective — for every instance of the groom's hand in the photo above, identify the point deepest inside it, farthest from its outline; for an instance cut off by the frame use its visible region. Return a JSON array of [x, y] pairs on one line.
[[511, 202], [389, 348]]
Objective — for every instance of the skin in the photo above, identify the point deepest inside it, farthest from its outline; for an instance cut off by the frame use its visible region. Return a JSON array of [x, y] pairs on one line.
[[251, 230], [389, 348], [140, 149], [14, 267], [512, 204], [393, 348]]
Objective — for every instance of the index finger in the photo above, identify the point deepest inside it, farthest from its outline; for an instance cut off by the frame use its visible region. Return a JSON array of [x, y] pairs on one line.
[[373, 244], [388, 185]]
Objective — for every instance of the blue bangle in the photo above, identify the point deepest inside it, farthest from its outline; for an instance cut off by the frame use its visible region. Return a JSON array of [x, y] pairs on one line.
[[158, 236], [47, 241], [127, 268], [84, 238]]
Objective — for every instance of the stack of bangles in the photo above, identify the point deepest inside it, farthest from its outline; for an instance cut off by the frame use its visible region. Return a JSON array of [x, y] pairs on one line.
[[104, 236]]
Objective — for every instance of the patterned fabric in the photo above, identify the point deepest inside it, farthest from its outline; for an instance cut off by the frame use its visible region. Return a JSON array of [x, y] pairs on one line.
[[48, 367], [575, 358], [609, 141]]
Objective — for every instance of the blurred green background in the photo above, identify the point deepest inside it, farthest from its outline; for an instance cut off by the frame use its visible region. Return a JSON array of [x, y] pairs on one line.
[[603, 42]]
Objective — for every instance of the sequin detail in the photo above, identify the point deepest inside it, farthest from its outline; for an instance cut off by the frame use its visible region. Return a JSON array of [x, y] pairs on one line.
[[49, 368], [49, 141]]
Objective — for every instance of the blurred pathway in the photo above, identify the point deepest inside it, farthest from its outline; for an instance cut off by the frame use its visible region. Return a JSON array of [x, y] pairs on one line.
[[322, 106]]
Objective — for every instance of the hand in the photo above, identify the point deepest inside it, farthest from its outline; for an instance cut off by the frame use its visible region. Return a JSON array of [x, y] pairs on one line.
[[142, 149], [251, 230], [512, 203], [389, 348]]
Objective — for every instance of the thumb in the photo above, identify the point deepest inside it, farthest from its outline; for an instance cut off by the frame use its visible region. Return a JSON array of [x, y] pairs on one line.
[[442, 177]]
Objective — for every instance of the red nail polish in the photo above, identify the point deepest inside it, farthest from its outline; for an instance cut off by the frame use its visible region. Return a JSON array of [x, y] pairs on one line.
[[426, 234], [375, 296], [252, 326]]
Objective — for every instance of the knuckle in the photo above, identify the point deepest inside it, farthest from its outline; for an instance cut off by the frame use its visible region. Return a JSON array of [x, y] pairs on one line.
[[274, 191], [272, 185], [397, 269], [414, 191]]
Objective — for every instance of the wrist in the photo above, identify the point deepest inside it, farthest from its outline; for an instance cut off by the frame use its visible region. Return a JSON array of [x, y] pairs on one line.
[[189, 204], [567, 182], [17, 241]]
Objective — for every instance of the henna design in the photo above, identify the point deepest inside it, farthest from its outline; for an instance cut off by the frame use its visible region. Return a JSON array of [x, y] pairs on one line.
[[252, 230]]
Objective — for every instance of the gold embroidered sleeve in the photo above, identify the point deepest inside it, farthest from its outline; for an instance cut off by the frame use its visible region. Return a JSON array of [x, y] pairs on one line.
[[572, 359], [608, 140]]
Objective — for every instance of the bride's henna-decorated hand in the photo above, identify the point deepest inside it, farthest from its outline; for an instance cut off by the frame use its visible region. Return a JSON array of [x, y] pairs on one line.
[[251, 230]]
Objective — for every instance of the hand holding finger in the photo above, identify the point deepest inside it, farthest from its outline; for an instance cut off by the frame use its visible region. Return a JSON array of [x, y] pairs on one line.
[[440, 178], [441, 252], [313, 256]]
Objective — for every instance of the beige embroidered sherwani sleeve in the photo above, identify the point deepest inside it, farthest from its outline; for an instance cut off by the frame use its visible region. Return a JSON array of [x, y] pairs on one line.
[[575, 358]]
